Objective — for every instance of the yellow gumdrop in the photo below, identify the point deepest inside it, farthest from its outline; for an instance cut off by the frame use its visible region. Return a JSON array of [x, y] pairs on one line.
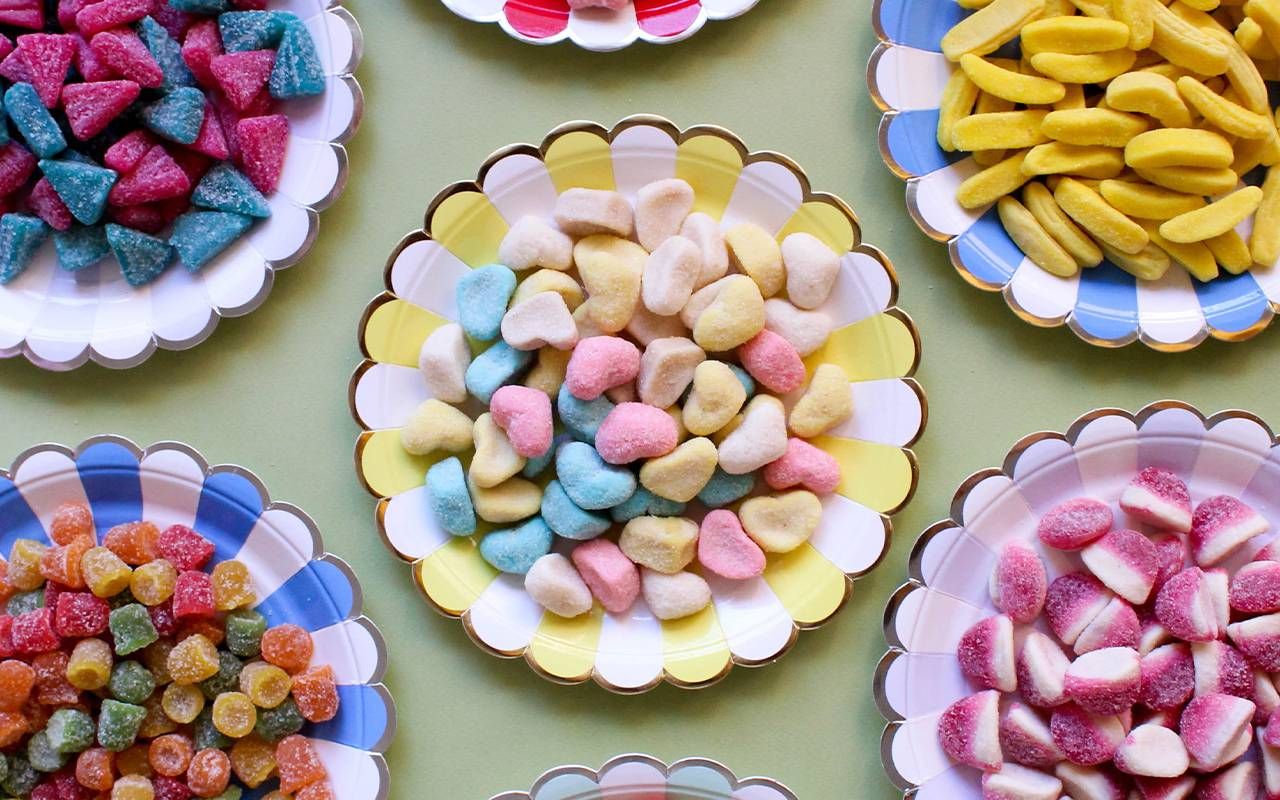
[[549, 280], [1104, 223], [436, 425], [1088, 161], [1192, 180], [985, 30], [1231, 251], [1009, 84], [1039, 201], [513, 499], [1148, 264], [1195, 256], [548, 371], [1138, 17], [827, 402], [1093, 126], [1184, 44], [757, 255], [663, 544], [781, 523], [1031, 237], [682, 473], [1144, 201], [958, 98], [1179, 147], [985, 187], [1264, 242], [610, 268], [1214, 219], [1086, 68], [1074, 35], [717, 395], [1230, 117], [1008, 129], [495, 459], [734, 316]]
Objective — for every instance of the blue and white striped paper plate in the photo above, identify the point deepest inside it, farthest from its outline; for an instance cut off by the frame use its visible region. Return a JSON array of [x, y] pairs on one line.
[[1105, 306], [171, 483]]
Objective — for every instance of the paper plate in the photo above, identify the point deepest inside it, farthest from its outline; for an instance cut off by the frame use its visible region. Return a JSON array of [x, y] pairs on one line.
[[170, 483], [60, 320], [1105, 306], [751, 622], [1232, 452], [637, 777], [551, 21]]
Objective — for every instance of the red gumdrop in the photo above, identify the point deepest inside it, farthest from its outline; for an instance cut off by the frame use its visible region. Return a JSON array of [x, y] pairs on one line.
[[1255, 589], [16, 166], [162, 618], [67, 10], [241, 76], [128, 150], [14, 67], [124, 52], [211, 141], [80, 615], [184, 548], [106, 14], [193, 595], [48, 206], [202, 44], [48, 57], [263, 143], [88, 64], [1019, 583], [156, 177], [33, 632], [91, 107]]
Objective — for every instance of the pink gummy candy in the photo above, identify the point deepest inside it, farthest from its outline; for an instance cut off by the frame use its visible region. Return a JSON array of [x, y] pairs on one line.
[[1221, 669], [986, 654], [725, 549], [1255, 588], [1238, 782], [104, 14], [48, 57], [241, 76], [773, 361], [1116, 625], [1216, 729], [804, 465], [91, 107], [632, 431], [89, 65], [1220, 525], [525, 415], [613, 579], [1042, 669], [176, 23], [128, 150], [599, 363], [1165, 788], [22, 14], [1268, 552], [1085, 739], [1126, 562], [202, 45], [1106, 681], [263, 142], [1025, 738], [1185, 606], [44, 200], [1075, 523], [16, 165], [156, 177], [211, 141], [1018, 583], [1271, 734], [6, 46], [1073, 601], [1160, 498], [1168, 677], [969, 731], [1171, 557], [14, 67], [124, 52], [1258, 639]]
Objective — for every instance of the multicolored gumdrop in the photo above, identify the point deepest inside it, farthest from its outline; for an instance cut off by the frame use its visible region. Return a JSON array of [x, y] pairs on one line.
[[1126, 562], [1105, 682], [1159, 498], [986, 654], [969, 731], [1220, 525]]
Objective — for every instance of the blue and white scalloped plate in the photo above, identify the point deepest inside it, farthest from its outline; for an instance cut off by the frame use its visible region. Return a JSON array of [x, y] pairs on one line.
[[1105, 306], [169, 483], [638, 777]]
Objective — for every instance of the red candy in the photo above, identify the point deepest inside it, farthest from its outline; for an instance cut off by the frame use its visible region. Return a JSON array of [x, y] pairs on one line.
[[242, 76], [16, 165], [1221, 669], [33, 632], [1126, 562], [22, 14], [1075, 524], [263, 142], [1159, 498], [156, 177], [1026, 739], [200, 47], [80, 615], [1185, 606], [128, 56], [1259, 640], [1171, 555], [184, 548], [193, 596], [48, 206], [1105, 682], [104, 14], [211, 141], [1115, 626], [48, 57], [91, 107], [1220, 525], [986, 654], [1255, 588], [1215, 729]]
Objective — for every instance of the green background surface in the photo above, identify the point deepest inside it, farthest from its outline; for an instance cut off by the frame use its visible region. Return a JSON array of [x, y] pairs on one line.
[[270, 391]]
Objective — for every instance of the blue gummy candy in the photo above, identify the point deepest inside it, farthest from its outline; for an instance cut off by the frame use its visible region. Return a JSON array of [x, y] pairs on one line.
[[582, 418], [81, 247], [514, 550], [645, 503], [589, 481], [82, 187], [566, 518], [167, 53], [20, 237], [533, 467], [449, 499], [252, 30], [177, 116], [225, 188], [142, 258], [297, 71], [200, 6], [482, 296], [199, 236], [745, 379], [724, 488], [33, 121], [494, 368]]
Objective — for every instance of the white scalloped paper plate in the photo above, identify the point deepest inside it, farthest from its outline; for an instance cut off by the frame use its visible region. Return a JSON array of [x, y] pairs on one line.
[[638, 777], [59, 320], [1231, 452], [551, 21]]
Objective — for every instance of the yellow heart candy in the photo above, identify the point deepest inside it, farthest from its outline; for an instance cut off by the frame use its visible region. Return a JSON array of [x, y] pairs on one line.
[[782, 523], [826, 403], [716, 397], [512, 500], [663, 544], [734, 316], [681, 474], [436, 425], [495, 459], [611, 269]]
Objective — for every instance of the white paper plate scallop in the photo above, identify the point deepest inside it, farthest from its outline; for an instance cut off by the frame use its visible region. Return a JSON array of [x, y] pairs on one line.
[[638, 777]]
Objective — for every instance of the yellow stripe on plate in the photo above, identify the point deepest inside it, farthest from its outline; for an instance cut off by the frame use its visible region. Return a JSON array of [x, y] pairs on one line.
[[694, 649], [580, 160], [810, 587], [712, 167], [469, 226], [876, 475], [396, 330], [824, 221], [871, 349], [455, 575], [566, 648], [387, 468]]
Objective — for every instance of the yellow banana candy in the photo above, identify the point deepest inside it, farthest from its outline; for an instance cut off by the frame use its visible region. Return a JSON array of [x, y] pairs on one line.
[[1178, 147], [1073, 99], [1039, 201], [1230, 117], [958, 98], [1148, 264], [1266, 13], [1099, 9], [1231, 251], [1057, 8], [1101, 126], [1202, 5], [1214, 219], [1140, 20], [992, 183], [1250, 36], [1149, 93], [1034, 240], [1011, 85], [1006, 129], [1088, 68], [1192, 180], [1144, 201], [1195, 256], [1104, 223], [1088, 161], [1186, 45], [1264, 242], [1243, 74], [986, 29], [1074, 35]]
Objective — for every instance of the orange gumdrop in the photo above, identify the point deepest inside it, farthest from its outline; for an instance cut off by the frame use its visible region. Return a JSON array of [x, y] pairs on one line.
[[70, 522], [133, 542]]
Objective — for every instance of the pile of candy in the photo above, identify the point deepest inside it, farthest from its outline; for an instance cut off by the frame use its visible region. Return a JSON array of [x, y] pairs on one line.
[[1134, 112], [144, 129], [129, 670], [1156, 702], [636, 337]]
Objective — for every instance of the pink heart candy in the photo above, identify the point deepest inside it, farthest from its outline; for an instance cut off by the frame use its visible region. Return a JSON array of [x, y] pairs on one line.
[[525, 415], [804, 465], [725, 549]]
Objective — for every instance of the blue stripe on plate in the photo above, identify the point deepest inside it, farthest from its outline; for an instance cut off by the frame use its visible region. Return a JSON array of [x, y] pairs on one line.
[[913, 142], [109, 473], [229, 508], [17, 520], [361, 721], [919, 23], [1231, 303], [315, 597], [1107, 305], [987, 251]]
